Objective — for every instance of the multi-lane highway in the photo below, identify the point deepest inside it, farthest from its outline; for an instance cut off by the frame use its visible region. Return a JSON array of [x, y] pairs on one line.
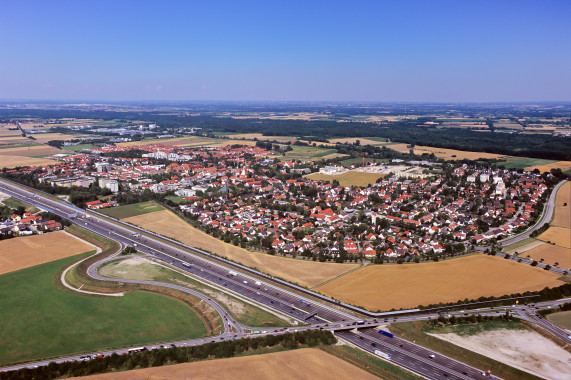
[[272, 294]]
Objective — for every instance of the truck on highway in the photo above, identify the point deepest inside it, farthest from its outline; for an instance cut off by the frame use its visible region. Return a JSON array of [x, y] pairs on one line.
[[386, 333], [232, 273], [258, 283], [382, 354]]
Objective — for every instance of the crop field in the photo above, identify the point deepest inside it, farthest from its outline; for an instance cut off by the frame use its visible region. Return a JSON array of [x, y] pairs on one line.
[[564, 194], [28, 251], [383, 287], [348, 178], [306, 273], [558, 235], [561, 318], [135, 209], [304, 363], [447, 154], [550, 254], [45, 137], [563, 165], [29, 151], [309, 153], [45, 321], [523, 162], [562, 216], [375, 141]]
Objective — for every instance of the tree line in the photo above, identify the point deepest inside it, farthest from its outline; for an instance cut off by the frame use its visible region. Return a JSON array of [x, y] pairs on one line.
[[173, 355]]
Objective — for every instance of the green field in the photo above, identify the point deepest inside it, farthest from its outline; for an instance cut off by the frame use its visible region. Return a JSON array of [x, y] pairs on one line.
[[77, 147], [523, 162], [44, 321], [177, 200], [243, 312], [561, 318], [15, 203], [357, 160], [305, 153], [135, 209]]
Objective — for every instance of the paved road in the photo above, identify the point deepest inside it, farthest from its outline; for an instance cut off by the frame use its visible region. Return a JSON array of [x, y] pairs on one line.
[[547, 215], [267, 293]]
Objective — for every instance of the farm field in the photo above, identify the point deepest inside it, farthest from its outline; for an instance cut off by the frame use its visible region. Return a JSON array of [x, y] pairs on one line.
[[27, 251], [525, 350], [550, 254], [447, 154], [562, 217], [375, 141], [45, 137], [348, 178], [135, 209], [558, 235], [523, 162], [561, 318], [45, 321], [29, 151], [383, 287], [564, 194], [305, 273], [9, 162], [309, 153], [563, 165], [304, 363]]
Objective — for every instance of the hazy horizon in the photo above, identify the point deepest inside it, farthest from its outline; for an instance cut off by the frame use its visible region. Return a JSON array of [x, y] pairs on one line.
[[254, 51]]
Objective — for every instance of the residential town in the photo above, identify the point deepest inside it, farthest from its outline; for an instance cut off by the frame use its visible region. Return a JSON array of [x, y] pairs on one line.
[[245, 196]]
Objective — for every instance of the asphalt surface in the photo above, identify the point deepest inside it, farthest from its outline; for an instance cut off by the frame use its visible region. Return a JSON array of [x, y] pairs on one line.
[[268, 293]]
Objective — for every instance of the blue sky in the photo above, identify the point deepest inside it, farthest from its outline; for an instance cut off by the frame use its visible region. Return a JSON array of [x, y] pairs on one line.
[[425, 51]]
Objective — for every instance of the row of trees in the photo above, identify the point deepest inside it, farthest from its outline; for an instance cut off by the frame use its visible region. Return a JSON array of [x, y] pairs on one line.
[[173, 355]]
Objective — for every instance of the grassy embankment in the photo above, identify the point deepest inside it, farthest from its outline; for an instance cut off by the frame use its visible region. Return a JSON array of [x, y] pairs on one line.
[[142, 269], [46, 322], [77, 277], [416, 331]]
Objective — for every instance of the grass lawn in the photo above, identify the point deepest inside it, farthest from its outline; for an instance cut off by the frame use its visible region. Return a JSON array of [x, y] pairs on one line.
[[45, 322], [358, 161], [132, 210], [77, 147], [561, 318], [177, 200], [15, 203], [305, 153]]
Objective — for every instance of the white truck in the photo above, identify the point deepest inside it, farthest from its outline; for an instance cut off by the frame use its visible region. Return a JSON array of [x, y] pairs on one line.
[[383, 354], [232, 273], [258, 283]]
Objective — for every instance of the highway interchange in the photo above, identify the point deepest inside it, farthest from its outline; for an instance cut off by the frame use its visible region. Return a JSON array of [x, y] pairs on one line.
[[306, 307]]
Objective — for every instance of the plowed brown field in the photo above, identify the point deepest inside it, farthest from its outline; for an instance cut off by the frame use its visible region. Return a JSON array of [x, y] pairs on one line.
[[306, 273], [409, 285], [28, 251]]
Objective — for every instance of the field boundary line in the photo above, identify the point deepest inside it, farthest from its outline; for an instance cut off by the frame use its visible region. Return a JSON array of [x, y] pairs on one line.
[[337, 277], [64, 273]]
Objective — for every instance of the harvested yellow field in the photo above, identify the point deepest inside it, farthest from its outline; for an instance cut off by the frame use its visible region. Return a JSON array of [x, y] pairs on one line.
[[249, 136], [564, 194], [558, 235], [562, 217], [45, 137], [348, 178], [447, 154], [551, 254], [16, 161], [28, 251], [29, 151], [306, 273], [404, 286], [563, 165], [362, 141], [305, 363]]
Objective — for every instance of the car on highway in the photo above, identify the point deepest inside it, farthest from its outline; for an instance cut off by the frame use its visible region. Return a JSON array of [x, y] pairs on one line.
[[431, 356]]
